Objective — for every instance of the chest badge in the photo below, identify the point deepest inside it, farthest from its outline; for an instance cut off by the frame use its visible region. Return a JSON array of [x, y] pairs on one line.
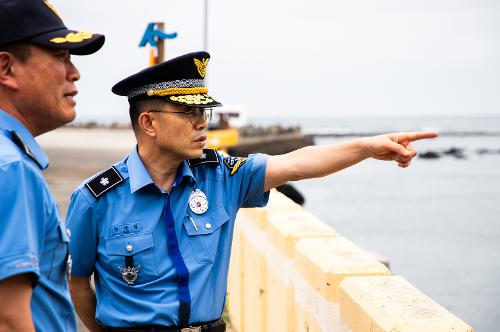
[[130, 274], [198, 202]]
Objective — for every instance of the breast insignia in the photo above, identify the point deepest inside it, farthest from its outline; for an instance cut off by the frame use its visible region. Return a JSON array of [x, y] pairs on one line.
[[129, 274], [104, 181], [198, 202]]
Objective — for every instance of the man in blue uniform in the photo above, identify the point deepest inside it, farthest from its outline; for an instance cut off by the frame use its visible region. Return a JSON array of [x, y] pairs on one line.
[[155, 229], [36, 95]]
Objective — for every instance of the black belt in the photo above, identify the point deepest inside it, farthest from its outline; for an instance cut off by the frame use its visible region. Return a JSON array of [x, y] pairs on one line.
[[216, 326]]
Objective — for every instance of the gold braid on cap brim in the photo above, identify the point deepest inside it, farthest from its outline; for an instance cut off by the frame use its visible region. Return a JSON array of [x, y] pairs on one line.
[[176, 91], [169, 88]]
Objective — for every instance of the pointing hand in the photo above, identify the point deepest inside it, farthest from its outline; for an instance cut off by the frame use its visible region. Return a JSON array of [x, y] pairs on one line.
[[396, 146]]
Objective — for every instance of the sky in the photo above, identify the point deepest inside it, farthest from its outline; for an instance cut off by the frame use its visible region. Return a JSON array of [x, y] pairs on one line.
[[305, 58]]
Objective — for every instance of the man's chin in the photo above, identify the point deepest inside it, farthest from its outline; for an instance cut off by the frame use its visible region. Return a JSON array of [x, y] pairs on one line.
[[68, 116]]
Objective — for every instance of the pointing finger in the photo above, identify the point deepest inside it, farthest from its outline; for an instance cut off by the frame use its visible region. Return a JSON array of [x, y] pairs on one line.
[[417, 135]]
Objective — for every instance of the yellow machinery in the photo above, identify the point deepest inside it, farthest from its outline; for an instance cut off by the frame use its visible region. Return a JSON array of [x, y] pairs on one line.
[[222, 139]]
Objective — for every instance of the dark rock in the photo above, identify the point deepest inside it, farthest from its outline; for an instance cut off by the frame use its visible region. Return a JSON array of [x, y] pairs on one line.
[[455, 152], [429, 155], [291, 192]]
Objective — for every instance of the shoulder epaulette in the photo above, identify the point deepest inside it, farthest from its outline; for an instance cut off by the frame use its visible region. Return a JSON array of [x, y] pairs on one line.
[[20, 143], [209, 156], [104, 181]]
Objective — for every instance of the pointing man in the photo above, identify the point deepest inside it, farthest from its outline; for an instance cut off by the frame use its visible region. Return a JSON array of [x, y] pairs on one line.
[[156, 228]]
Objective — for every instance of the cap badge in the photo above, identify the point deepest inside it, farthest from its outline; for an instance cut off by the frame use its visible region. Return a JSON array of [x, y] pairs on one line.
[[198, 202], [51, 6], [201, 66], [72, 38]]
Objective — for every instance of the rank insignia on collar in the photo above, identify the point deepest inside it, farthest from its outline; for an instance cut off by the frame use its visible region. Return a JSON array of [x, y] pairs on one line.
[[104, 181], [209, 156], [234, 163], [130, 274], [20, 143]]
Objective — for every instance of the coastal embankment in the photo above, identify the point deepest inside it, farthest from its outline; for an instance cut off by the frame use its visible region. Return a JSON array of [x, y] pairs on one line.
[[292, 272]]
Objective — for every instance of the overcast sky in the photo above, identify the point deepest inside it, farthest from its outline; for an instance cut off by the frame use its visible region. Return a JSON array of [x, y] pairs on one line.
[[306, 58]]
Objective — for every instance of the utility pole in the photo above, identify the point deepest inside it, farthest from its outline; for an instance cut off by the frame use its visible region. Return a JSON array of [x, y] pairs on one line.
[[205, 32]]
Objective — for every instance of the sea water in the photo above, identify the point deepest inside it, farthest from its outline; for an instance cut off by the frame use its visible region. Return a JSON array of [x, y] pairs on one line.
[[437, 222]]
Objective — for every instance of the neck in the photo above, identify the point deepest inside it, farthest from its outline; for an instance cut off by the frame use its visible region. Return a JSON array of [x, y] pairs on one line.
[[161, 166], [9, 108]]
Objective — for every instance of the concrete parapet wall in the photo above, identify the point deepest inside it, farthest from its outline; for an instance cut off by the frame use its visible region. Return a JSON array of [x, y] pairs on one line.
[[291, 272]]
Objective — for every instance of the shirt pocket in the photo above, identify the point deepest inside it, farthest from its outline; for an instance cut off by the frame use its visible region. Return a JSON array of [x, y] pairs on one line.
[[140, 247], [61, 259], [204, 233]]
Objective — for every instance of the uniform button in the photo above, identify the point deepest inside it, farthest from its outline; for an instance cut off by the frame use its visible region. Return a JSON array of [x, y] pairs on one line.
[[208, 226], [68, 231], [129, 248], [124, 169]]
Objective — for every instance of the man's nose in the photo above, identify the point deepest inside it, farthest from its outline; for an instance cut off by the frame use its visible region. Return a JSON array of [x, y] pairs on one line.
[[73, 73]]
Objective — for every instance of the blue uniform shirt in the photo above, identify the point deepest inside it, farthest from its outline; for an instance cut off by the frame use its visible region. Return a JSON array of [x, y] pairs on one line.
[[133, 219], [33, 240]]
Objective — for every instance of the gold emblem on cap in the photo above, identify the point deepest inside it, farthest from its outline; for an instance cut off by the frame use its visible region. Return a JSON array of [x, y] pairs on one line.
[[198, 99], [51, 6], [72, 38], [201, 66], [150, 92]]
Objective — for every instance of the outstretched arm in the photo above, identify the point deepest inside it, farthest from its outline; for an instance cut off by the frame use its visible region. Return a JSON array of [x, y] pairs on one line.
[[318, 161]]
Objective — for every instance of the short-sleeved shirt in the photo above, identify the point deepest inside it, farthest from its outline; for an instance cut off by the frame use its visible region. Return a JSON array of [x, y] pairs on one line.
[[32, 239], [129, 220]]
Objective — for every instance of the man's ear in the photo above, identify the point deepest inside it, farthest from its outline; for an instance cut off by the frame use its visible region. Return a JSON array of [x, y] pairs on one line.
[[7, 70], [145, 123]]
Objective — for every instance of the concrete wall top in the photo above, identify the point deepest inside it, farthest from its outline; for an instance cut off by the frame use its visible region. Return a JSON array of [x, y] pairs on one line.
[[284, 228], [392, 304], [325, 262]]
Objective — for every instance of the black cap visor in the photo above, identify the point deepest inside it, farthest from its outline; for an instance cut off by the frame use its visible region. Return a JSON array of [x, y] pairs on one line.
[[78, 43]]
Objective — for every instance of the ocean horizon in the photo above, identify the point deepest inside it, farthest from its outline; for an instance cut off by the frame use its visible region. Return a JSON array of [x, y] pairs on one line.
[[482, 124]]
